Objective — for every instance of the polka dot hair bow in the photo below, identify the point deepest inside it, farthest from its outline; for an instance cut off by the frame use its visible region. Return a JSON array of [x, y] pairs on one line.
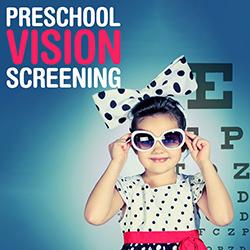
[[175, 80]]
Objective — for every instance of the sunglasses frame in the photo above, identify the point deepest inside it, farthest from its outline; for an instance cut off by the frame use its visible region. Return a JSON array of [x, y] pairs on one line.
[[156, 138]]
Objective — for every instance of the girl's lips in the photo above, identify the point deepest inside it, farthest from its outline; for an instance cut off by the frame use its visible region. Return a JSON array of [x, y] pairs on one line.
[[160, 159]]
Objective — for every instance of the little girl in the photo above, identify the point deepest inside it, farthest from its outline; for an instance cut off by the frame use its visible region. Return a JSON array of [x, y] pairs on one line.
[[159, 208]]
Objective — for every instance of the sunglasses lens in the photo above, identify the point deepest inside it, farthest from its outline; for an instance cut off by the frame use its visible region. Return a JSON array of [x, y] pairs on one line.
[[143, 141], [173, 139]]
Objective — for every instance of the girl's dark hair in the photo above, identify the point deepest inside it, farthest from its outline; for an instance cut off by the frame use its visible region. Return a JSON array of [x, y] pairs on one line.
[[155, 105]]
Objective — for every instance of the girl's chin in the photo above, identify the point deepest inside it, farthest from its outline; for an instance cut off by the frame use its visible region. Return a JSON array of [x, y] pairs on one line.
[[159, 169]]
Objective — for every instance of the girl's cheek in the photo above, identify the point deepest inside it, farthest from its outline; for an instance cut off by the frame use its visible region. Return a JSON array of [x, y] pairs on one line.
[[141, 156]]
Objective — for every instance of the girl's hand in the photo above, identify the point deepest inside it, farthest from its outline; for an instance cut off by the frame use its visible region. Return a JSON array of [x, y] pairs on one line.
[[198, 147], [119, 149]]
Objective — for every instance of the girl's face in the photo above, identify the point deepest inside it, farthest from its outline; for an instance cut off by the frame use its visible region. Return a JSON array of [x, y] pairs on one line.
[[157, 124]]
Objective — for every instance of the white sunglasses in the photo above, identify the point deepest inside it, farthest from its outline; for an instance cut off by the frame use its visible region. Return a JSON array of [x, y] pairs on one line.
[[170, 139]]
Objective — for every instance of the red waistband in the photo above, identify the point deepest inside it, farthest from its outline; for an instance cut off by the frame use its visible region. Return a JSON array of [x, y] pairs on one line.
[[188, 239]]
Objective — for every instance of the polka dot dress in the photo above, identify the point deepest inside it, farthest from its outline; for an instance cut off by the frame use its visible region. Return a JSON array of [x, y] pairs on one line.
[[149, 246], [165, 208]]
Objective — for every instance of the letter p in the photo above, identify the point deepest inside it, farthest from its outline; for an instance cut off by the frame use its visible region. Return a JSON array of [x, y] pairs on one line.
[[230, 137], [11, 13]]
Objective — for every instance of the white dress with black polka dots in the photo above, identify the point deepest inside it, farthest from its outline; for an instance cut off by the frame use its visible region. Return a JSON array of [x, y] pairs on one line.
[[165, 208]]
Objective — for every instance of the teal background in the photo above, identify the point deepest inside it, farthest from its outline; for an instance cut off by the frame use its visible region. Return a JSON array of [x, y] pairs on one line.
[[54, 144]]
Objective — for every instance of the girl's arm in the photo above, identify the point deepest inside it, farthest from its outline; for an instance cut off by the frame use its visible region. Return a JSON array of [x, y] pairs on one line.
[[215, 201], [104, 200]]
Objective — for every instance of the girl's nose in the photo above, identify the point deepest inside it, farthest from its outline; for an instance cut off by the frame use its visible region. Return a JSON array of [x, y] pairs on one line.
[[158, 147]]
